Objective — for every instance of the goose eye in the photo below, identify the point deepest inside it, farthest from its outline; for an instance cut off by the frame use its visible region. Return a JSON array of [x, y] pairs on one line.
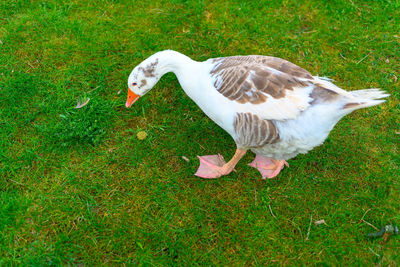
[[134, 84]]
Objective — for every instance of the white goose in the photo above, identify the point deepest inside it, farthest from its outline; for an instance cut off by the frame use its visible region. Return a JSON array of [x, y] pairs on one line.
[[267, 104]]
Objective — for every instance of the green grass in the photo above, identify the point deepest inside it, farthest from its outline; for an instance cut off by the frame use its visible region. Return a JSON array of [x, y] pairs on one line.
[[78, 187]]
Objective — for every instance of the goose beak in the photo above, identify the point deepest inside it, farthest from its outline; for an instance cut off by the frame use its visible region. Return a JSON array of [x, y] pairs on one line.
[[132, 98]]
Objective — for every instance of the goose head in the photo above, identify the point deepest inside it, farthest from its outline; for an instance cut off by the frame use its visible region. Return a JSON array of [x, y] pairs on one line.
[[142, 79]]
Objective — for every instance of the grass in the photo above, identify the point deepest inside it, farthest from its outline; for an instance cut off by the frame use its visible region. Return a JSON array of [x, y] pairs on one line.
[[78, 187]]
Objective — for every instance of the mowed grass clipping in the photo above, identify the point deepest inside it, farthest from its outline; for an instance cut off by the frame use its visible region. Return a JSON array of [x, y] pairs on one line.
[[78, 186]]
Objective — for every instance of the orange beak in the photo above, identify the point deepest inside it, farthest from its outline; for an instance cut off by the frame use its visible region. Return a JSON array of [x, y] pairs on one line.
[[132, 97]]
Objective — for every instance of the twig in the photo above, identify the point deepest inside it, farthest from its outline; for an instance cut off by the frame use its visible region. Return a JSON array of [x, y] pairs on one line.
[[376, 254], [97, 87], [363, 58], [273, 215], [202, 147], [309, 228], [17, 182], [310, 31], [30, 65], [362, 219], [370, 225]]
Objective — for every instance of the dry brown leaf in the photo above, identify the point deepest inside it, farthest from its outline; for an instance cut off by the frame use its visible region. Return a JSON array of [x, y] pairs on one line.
[[208, 15]]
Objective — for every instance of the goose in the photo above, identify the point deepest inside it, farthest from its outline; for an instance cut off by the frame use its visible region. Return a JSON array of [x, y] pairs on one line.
[[266, 104]]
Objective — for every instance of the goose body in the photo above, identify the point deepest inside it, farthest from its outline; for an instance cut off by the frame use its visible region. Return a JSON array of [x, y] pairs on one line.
[[268, 105]]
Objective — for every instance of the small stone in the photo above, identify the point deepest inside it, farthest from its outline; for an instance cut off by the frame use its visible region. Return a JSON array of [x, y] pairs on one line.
[[141, 135]]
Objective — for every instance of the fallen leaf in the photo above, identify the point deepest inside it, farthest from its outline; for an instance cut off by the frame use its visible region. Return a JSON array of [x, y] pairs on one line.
[[79, 104], [319, 222], [208, 15]]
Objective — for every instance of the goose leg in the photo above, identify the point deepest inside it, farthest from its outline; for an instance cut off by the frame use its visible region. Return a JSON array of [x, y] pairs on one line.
[[268, 167], [214, 166]]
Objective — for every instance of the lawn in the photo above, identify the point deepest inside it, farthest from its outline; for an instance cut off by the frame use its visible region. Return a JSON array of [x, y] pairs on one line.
[[78, 187]]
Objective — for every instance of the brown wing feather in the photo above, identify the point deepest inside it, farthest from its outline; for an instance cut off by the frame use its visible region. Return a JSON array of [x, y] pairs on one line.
[[245, 78], [251, 131]]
